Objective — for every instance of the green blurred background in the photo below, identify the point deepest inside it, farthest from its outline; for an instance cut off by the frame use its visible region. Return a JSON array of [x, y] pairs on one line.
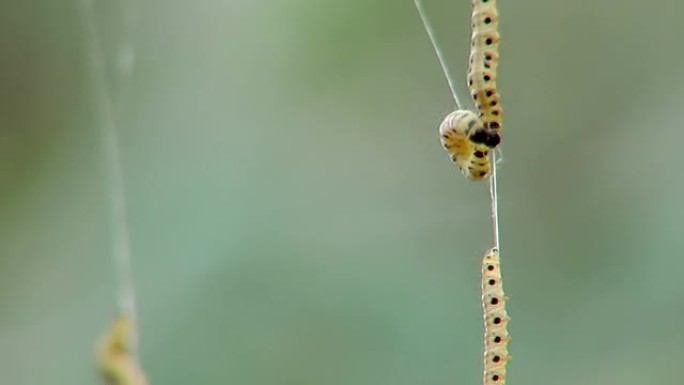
[[294, 219]]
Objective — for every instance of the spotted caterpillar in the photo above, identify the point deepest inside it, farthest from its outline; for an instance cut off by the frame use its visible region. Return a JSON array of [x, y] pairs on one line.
[[484, 60], [456, 133], [114, 359], [467, 137], [496, 319]]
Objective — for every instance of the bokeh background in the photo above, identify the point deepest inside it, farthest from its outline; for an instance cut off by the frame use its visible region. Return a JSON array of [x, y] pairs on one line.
[[294, 219]]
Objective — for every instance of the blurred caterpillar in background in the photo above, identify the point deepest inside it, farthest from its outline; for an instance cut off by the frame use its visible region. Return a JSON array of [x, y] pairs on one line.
[[114, 358], [482, 69], [496, 319], [455, 133]]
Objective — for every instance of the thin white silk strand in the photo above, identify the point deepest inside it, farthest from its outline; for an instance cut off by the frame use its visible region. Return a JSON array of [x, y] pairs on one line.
[[494, 206]]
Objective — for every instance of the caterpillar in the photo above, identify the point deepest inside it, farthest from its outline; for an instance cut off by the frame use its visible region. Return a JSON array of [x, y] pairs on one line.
[[468, 137], [114, 359], [482, 68], [496, 319], [456, 133]]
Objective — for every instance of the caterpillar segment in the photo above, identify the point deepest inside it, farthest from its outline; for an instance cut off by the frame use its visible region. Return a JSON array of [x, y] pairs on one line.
[[456, 135], [483, 65], [496, 320]]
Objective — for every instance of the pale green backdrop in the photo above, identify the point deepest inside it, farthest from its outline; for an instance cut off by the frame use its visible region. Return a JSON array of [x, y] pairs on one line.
[[294, 219]]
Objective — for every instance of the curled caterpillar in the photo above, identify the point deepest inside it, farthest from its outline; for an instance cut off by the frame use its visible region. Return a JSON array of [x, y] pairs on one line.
[[467, 142], [496, 319], [114, 359], [484, 60]]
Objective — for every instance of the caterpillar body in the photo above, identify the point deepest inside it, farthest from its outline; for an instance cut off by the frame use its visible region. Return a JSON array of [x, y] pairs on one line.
[[456, 133], [496, 319], [114, 359], [483, 65]]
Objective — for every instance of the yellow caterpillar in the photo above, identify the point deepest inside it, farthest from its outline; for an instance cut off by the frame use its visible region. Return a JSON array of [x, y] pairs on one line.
[[484, 60], [456, 133], [467, 137], [114, 360], [496, 319]]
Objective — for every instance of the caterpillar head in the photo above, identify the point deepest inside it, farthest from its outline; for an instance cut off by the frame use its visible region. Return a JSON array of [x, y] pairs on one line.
[[470, 157], [485, 136]]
